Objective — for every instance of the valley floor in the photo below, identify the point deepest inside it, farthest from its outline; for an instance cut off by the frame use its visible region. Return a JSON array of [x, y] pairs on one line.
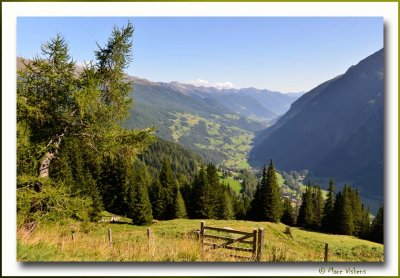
[[176, 241]]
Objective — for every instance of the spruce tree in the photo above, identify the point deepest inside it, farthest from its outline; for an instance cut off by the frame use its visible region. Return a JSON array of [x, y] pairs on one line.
[[306, 211], [180, 208], [138, 202], [318, 204], [273, 196], [199, 187], [213, 193], [168, 191], [343, 213], [258, 203], [288, 213], [225, 207], [365, 223], [157, 200], [377, 228], [267, 205], [328, 217]]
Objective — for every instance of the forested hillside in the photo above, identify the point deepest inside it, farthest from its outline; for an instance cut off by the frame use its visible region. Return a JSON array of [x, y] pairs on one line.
[[336, 129]]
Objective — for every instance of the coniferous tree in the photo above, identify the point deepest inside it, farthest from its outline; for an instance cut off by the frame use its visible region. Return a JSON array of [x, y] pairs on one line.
[[180, 208], [288, 213], [258, 203], [365, 223], [168, 191], [377, 228], [200, 203], [56, 104], [225, 207], [274, 203], [138, 202], [318, 204], [328, 217], [357, 212], [214, 194], [157, 200], [267, 205], [306, 211], [240, 206], [113, 186], [343, 212]]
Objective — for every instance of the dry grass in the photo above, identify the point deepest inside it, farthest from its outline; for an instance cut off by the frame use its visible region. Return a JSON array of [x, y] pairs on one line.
[[176, 241]]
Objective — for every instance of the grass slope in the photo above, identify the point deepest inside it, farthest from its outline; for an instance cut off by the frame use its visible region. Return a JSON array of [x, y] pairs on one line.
[[175, 240]]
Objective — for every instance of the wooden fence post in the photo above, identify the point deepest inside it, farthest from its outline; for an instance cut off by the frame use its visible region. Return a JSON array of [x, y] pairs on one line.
[[255, 244], [148, 238], [110, 237], [260, 243], [326, 252], [202, 224]]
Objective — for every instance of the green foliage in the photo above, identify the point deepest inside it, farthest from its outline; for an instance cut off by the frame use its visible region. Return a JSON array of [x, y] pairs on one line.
[[112, 184], [55, 103], [377, 228], [288, 213], [183, 161], [318, 204], [70, 133], [267, 205], [210, 198], [249, 182], [138, 202], [306, 212], [202, 205], [343, 212], [328, 217], [180, 208], [49, 202], [169, 190]]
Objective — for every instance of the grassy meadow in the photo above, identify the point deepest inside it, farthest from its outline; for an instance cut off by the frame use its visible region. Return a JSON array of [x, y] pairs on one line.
[[176, 241]]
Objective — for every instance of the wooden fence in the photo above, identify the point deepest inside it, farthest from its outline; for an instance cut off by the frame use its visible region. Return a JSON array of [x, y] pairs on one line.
[[255, 239]]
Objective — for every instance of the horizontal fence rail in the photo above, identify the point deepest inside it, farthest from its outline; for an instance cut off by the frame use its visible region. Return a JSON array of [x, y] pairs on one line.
[[254, 238]]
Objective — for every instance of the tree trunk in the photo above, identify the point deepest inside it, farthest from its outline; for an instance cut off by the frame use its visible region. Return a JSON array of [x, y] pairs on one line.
[[48, 157], [45, 165]]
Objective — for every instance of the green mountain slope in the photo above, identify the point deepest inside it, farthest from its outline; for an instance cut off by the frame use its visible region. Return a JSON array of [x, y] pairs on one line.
[[334, 130], [203, 125]]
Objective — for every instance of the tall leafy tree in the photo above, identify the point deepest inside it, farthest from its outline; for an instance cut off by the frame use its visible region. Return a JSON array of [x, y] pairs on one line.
[[56, 103]]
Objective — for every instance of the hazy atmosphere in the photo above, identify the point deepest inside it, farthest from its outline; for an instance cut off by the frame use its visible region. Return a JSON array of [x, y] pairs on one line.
[[285, 54]]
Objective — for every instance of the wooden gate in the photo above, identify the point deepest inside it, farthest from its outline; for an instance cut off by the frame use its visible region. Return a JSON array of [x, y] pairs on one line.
[[255, 239]]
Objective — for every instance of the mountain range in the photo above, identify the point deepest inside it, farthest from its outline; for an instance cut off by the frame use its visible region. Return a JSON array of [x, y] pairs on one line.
[[334, 130], [218, 124]]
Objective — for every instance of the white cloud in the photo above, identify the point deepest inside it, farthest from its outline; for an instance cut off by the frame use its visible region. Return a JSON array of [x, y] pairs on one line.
[[224, 85], [219, 85]]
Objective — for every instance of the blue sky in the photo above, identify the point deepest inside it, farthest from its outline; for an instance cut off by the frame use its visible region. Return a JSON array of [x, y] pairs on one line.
[[286, 54]]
